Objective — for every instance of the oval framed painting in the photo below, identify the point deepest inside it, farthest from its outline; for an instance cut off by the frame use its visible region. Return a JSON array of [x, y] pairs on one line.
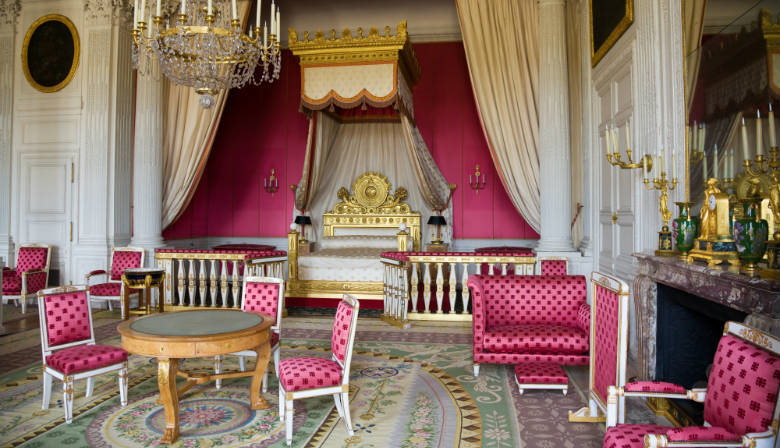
[[50, 53]]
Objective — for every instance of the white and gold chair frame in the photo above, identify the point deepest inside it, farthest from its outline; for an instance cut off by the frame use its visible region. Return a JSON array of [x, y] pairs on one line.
[[340, 392], [67, 380], [109, 299], [276, 328], [607, 292], [24, 296]]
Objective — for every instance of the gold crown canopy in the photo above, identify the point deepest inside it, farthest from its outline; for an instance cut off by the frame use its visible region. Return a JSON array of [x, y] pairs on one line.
[[371, 196]]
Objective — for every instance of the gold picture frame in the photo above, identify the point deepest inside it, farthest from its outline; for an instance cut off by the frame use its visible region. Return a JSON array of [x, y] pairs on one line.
[[609, 19], [50, 53]]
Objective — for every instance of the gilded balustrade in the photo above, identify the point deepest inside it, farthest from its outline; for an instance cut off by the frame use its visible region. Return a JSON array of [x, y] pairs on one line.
[[434, 276], [212, 278]]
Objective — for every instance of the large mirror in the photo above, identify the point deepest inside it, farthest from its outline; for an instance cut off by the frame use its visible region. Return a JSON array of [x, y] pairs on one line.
[[732, 73]]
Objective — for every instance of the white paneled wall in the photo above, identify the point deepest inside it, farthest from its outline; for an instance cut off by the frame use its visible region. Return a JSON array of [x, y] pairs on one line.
[[70, 151]]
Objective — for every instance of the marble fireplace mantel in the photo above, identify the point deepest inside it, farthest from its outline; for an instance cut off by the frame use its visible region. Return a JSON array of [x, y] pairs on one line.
[[757, 297]]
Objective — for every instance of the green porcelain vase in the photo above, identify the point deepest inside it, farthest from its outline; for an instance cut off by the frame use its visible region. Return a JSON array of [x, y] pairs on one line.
[[750, 235], [685, 229]]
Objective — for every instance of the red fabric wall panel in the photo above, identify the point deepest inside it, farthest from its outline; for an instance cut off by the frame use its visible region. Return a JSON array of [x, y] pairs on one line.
[[262, 128]]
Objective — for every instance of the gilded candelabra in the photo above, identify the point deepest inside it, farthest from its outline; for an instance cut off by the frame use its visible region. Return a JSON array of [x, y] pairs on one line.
[[615, 159], [663, 185], [773, 246], [271, 185]]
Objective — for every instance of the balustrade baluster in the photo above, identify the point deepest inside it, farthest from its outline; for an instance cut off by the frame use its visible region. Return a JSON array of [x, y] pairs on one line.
[[191, 281], [427, 286], [202, 280], [180, 276], [490, 268], [439, 287], [414, 288], [464, 290], [503, 268], [394, 308], [236, 285], [223, 283], [213, 282], [402, 296], [168, 264], [453, 288], [385, 290]]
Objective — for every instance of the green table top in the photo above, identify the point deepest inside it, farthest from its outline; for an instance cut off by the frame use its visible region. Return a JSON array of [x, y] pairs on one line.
[[196, 323]]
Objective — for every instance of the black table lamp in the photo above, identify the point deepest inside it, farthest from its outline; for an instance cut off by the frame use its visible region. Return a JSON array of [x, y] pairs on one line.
[[303, 221], [438, 221]]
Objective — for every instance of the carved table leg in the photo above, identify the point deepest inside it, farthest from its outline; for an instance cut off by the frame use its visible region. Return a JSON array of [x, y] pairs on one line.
[[166, 379], [263, 354]]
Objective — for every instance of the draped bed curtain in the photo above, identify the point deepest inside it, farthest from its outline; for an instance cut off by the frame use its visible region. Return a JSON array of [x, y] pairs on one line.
[[337, 153], [188, 134], [504, 70]]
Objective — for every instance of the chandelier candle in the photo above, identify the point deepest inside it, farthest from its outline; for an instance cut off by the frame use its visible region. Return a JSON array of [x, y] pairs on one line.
[[772, 131], [745, 154], [759, 140]]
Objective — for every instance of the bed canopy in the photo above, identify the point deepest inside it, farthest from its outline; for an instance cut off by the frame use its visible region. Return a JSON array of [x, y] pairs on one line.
[[357, 92]]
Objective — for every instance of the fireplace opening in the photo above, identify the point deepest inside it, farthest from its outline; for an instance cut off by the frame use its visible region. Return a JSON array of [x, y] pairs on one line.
[[688, 330]]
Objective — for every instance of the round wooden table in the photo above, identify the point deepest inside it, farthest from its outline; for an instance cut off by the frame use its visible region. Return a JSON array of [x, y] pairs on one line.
[[192, 334]]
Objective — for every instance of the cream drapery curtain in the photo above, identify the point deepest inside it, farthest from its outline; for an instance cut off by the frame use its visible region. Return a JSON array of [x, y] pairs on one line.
[[368, 146], [322, 131], [693, 26], [188, 133], [500, 38]]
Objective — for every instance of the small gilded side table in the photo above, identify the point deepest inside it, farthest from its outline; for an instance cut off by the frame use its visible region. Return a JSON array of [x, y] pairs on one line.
[[144, 279]]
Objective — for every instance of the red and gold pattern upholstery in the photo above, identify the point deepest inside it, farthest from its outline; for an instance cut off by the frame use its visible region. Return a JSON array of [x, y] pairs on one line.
[[111, 290], [311, 377], [553, 267], [517, 319], [30, 275], [68, 346], [740, 402]]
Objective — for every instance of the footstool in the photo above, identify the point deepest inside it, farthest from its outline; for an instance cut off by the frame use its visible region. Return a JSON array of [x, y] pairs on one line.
[[541, 375]]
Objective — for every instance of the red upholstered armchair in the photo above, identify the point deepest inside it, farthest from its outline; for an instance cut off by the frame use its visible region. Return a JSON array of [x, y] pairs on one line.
[[740, 401], [30, 275], [528, 318], [111, 290]]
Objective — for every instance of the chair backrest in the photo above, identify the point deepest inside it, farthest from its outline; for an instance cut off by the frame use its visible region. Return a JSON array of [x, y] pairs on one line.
[[264, 295], [608, 336], [343, 336], [32, 257], [554, 265], [742, 390], [65, 318], [125, 258]]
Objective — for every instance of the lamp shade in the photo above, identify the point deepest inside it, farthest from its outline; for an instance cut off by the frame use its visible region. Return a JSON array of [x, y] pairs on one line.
[[437, 220], [306, 220]]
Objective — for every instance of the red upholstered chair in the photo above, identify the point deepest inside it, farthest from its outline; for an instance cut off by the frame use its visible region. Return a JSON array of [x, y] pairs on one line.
[[30, 275], [740, 401], [111, 290], [312, 377], [263, 295], [529, 318], [69, 349], [554, 265], [608, 346]]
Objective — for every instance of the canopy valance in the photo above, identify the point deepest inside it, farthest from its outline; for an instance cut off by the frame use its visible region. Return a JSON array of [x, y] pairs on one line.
[[352, 71]]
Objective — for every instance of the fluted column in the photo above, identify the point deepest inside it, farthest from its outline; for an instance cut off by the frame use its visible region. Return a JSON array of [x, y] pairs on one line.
[[148, 162], [8, 16], [554, 151]]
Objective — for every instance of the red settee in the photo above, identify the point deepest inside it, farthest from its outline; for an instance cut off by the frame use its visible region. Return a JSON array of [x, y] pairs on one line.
[[529, 318]]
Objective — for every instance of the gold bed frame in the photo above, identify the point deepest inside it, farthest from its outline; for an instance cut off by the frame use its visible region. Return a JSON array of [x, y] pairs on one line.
[[371, 206]]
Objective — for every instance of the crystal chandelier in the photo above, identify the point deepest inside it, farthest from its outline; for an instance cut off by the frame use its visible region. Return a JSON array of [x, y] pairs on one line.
[[204, 46]]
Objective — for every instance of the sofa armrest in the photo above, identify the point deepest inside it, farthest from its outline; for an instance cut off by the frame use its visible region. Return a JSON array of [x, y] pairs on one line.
[[583, 318], [478, 309], [33, 281]]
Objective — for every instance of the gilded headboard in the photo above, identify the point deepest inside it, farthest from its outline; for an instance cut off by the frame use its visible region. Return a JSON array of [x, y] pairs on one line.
[[372, 206]]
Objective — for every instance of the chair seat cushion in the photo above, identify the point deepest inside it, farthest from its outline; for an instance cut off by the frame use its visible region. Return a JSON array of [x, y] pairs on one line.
[[12, 285], [308, 373], [631, 436], [85, 357], [106, 289], [535, 338]]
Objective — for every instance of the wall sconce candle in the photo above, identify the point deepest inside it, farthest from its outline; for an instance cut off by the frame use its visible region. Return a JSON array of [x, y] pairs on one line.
[[271, 185], [614, 157], [476, 184]]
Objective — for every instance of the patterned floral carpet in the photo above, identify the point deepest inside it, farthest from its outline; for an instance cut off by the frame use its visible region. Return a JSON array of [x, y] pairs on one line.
[[409, 388]]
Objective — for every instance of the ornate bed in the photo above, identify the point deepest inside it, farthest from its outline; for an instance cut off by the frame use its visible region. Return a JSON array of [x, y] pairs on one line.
[[355, 232]]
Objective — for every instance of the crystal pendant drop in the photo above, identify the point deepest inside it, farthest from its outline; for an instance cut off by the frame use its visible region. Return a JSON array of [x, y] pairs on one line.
[[207, 101]]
